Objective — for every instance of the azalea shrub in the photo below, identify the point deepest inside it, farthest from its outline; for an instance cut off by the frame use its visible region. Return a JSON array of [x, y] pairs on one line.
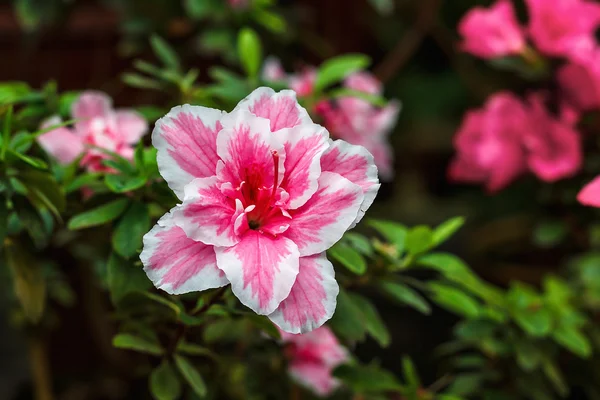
[[234, 240]]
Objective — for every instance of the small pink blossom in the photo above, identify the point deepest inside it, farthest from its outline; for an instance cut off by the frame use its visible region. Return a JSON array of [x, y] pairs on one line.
[[265, 192], [273, 70], [98, 126], [488, 143], [590, 194], [563, 27], [312, 358], [492, 32], [553, 146], [359, 122], [303, 83], [580, 82]]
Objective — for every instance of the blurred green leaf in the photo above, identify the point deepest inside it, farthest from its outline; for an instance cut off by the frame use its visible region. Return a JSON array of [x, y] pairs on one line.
[[99, 215], [136, 343], [348, 321], [264, 324], [572, 339], [454, 300], [405, 295], [348, 257], [165, 52], [393, 232], [548, 234], [270, 20], [445, 230], [374, 99], [44, 191], [373, 322], [367, 378], [191, 375], [124, 184], [82, 180], [141, 82], [534, 322], [419, 239], [335, 69], [411, 377], [13, 92], [384, 7], [359, 242], [4, 213], [123, 278], [529, 356], [164, 382], [249, 51]]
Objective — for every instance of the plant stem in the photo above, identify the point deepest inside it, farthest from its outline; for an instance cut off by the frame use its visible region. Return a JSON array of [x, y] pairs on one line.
[[40, 369]]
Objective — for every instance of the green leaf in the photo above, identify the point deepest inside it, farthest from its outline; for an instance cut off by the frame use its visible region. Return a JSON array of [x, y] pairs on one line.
[[191, 375], [141, 82], [529, 356], [6, 127], [348, 321], [367, 378], [374, 99], [4, 213], [445, 230], [384, 7], [99, 215], [198, 9], [359, 242], [135, 223], [249, 51], [335, 69], [13, 92], [410, 374], [28, 280], [264, 324], [164, 382], [194, 349], [373, 322], [270, 20], [573, 339], [419, 239], [555, 376], [123, 278], [65, 102], [136, 343], [33, 161], [165, 52], [466, 384], [405, 295], [349, 258], [454, 300], [548, 234], [393, 232], [151, 113], [44, 191], [535, 322], [82, 180]]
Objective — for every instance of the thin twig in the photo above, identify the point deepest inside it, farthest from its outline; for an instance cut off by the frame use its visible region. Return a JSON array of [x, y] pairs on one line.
[[410, 41], [40, 369]]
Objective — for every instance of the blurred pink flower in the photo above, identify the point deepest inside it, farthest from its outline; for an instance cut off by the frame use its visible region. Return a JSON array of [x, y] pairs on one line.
[[590, 194], [97, 125], [264, 194], [488, 143], [238, 4], [303, 83], [273, 70], [359, 122], [580, 82], [563, 27], [313, 357], [553, 146], [492, 32]]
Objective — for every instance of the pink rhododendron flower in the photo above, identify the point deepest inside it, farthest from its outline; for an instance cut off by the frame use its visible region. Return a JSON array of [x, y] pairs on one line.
[[580, 82], [264, 193], [553, 146], [563, 27], [359, 122], [98, 126], [590, 194], [303, 83], [488, 143], [492, 32], [313, 357], [273, 70]]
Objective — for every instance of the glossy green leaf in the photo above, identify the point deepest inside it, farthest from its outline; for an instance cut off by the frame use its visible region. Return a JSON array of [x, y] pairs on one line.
[[405, 295], [136, 343], [454, 300], [573, 339], [127, 236], [393, 232], [335, 69], [99, 215], [249, 51], [419, 239], [445, 230], [124, 278], [348, 257]]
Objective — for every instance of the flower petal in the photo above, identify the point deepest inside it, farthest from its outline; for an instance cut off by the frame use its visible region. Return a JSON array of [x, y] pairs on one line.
[[356, 164], [131, 126], [281, 109], [312, 300], [324, 218], [261, 268], [304, 145], [90, 104], [590, 194], [60, 143], [315, 376], [186, 142], [207, 215], [178, 264], [246, 147]]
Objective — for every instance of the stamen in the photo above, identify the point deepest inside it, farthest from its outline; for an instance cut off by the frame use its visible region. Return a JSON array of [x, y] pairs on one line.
[[275, 173]]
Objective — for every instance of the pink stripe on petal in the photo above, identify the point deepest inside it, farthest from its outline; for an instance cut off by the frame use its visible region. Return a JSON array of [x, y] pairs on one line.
[[312, 300], [261, 268], [177, 264], [186, 142], [304, 145], [245, 146], [281, 109], [323, 219], [206, 214], [590, 194], [356, 164]]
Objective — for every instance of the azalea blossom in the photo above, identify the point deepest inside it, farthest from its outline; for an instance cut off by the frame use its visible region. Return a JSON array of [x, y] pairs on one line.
[[492, 32], [563, 27], [359, 122], [312, 358], [580, 82], [590, 194], [98, 126], [264, 193]]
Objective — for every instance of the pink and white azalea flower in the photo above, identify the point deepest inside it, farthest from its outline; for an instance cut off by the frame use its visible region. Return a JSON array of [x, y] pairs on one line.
[[98, 126], [492, 32], [590, 194], [264, 193], [313, 357]]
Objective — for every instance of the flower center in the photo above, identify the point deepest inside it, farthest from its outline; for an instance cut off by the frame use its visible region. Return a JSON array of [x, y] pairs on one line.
[[262, 197]]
